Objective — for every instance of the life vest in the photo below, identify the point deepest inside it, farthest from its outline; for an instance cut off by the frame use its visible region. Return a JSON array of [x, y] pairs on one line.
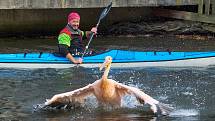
[[76, 37]]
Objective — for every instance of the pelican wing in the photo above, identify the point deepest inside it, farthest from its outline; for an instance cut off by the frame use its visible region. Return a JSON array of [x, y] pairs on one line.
[[76, 96], [157, 107], [140, 95]]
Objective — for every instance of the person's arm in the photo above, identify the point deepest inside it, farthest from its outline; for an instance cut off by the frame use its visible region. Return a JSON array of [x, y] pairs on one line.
[[87, 34], [64, 40], [72, 59]]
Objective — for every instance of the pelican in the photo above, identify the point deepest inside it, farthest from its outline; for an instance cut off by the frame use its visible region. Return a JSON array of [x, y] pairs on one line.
[[107, 92]]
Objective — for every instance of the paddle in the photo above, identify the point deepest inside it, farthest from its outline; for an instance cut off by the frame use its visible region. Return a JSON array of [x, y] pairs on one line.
[[102, 15]]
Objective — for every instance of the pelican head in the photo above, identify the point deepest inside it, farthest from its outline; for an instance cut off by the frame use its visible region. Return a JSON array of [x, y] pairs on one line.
[[107, 62]]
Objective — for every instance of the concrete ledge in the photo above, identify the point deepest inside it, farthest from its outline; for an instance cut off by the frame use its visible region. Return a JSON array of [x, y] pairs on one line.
[[47, 4]]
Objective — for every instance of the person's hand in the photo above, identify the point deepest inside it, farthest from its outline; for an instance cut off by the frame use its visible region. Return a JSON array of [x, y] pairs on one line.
[[94, 30], [79, 61]]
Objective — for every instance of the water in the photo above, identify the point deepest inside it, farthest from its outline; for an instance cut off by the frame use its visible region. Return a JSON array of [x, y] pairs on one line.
[[159, 43], [190, 90]]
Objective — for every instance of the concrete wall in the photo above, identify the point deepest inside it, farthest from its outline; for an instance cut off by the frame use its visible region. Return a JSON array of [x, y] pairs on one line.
[[23, 17], [51, 21], [40, 4]]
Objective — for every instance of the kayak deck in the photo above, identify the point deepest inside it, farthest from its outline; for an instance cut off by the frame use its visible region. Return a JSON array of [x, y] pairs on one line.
[[122, 58]]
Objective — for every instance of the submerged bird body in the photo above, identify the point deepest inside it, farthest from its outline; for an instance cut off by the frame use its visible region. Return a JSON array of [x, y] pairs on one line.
[[107, 92]]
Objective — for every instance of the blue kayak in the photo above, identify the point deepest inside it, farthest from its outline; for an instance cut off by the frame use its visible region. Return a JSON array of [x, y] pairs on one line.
[[121, 58]]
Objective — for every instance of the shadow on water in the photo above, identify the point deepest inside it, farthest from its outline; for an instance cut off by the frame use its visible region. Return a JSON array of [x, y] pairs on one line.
[[96, 114], [189, 90]]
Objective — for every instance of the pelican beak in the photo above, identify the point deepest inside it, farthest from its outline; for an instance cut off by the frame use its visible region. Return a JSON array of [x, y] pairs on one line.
[[107, 61]]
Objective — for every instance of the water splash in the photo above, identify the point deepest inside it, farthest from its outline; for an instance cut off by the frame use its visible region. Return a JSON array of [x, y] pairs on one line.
[[130, 102], [184, 113], [187, 93]]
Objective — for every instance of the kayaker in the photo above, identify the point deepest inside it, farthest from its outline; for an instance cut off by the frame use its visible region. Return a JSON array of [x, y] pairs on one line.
[[70, 38]]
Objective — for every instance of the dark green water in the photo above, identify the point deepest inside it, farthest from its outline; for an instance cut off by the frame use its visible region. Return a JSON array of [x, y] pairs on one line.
[[190, 90], [162, 43]]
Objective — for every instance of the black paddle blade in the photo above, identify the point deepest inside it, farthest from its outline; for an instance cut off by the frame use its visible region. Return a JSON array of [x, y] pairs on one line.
[[102, 15], [105, 11]]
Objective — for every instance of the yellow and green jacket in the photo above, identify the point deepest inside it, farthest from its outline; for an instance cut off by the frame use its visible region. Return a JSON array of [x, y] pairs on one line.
[[70, 37]]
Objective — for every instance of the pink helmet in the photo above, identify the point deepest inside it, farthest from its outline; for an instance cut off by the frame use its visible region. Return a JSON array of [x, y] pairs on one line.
[[73, 15]]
